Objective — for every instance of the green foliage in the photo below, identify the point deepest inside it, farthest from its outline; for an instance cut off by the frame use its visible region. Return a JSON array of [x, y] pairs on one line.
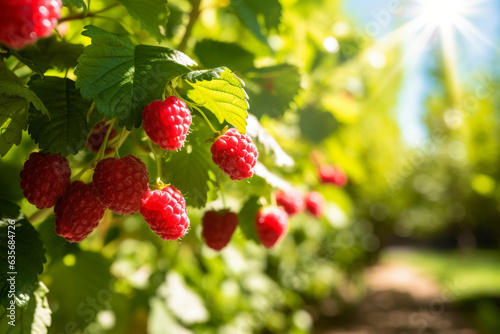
[[220, 91], [35, 318], [67, 130], [52, 53], [13, 121], [82, 283], [248, 11], [76, 3], [317, 125], [152, 14], [122, 78], [22, 255], [272, 89], [247, 218], [14, 105], [216, 54]]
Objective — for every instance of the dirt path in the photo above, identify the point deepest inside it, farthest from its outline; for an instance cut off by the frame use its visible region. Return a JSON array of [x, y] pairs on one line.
[[400, 301]]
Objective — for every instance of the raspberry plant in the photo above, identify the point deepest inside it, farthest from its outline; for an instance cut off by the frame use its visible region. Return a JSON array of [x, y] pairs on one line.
[[135, 131]]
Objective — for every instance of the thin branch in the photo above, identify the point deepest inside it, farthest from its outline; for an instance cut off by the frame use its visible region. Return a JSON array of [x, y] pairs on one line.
[[193, 17], [83, 16]]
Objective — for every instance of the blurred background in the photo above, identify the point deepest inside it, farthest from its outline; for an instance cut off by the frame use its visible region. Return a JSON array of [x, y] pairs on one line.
[[402, 95]]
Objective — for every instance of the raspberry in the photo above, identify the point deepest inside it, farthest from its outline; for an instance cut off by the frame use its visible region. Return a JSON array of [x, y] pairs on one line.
[[315, 203], [291, 201], [218, 228], [167, 122], [78, 212], [24, 21], [121, 183], [45, 178], [235, 154], [332, 174], [165, 212], [271, 225], [97, 135]]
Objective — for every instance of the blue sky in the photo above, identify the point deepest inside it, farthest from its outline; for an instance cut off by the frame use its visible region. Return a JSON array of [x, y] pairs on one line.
[[475, 56]]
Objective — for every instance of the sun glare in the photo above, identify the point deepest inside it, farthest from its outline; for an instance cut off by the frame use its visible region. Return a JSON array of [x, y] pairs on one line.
[[443, 12], [431, 21]]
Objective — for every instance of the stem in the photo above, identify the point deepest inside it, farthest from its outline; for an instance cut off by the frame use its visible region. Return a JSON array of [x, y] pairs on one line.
[[102, 149], [193, 16], [223, 198], [84, 169], [205, 117], [159, 169], [40, 215], [92, 106], [121, 140], [82, 15]]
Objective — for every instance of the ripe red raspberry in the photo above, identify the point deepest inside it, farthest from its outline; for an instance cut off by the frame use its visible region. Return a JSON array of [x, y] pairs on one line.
[[45, 178], [332, 174], [218, 228], [165, 212], [121, 183], [78, 212], [271, 225], [97, 135], [291, 201], [235, 154], [167, 122], [24, 21], [315, 203]]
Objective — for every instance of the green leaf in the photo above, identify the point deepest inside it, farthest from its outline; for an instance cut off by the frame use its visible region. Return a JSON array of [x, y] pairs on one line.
[[175, 20], [13, 121], [220, 91], [82, 285], [214, 54], [9, 209], [10, 85], [152, 14], [248, 18], [14, 106], [317, 125], [19, 239], [272, 89], [52, 53], [248, 11], [247, 218], [34, 319], [122, 78], [192, 170], [76, 3], [67, 130]]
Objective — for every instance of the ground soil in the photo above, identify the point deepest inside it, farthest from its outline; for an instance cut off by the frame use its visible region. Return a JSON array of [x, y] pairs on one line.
[[399, 301]]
